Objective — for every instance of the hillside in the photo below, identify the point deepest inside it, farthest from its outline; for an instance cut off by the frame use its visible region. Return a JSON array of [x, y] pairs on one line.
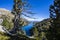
[[7, 17], [40, 28]]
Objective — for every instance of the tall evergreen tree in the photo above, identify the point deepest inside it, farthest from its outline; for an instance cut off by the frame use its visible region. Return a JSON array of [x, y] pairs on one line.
[[54, 31], [19, 8]]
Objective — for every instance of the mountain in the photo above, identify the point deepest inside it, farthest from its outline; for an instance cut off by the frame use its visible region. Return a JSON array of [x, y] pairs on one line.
[[6, 13], [41, 26]]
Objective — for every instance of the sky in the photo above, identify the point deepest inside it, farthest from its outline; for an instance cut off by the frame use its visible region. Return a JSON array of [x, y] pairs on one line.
[[39, 7]]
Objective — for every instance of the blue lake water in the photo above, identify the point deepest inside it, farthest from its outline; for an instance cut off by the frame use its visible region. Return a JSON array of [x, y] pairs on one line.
[[27, 28]]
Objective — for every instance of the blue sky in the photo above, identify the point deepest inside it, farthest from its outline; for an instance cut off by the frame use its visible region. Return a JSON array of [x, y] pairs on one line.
[[40, 7]]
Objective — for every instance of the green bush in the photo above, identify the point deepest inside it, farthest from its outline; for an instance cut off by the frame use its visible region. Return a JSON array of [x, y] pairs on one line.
[[8, 25], [3, 36]]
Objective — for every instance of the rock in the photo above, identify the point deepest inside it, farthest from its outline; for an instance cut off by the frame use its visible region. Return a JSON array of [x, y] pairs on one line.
[[1, 29]]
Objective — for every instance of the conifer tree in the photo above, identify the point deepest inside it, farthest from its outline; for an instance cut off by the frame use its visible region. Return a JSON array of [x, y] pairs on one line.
[[19, 8], [54, 31]]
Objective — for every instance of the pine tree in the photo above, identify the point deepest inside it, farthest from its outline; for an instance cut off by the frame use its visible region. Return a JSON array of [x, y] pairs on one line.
[[54, 31], [19, 8]]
